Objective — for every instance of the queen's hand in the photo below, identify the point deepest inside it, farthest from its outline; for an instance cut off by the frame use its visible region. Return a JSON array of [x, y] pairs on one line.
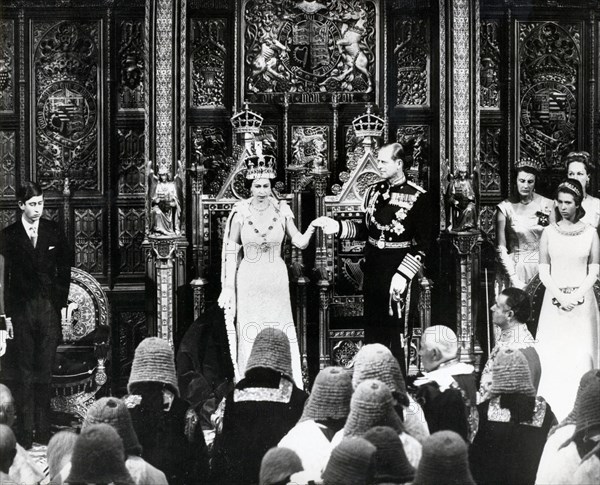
[[226, 298], [329, 225]]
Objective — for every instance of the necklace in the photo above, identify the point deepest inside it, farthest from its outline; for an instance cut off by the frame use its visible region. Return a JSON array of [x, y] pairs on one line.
[[259, 210], [264, 246]]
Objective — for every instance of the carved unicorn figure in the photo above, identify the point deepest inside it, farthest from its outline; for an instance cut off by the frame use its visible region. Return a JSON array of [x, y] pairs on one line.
[[349, 46], [266, 60]]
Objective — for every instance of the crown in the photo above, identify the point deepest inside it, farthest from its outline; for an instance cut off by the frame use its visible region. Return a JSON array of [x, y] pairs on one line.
[[246, 121], [527, 162], [260, 167], [368, 124]]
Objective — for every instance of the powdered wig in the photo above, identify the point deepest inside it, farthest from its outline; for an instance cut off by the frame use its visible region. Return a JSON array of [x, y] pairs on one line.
[[574, 188], [59, 451]]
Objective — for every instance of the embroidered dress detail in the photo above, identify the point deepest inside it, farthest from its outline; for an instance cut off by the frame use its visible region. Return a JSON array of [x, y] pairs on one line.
[[502, 415], [564, 232], [282, 394]]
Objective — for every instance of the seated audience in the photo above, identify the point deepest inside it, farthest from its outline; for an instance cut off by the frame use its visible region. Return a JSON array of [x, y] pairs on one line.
[[58, 454], [568, 455], [8, 451], [447, 391], [99, 458], [324, 415], [372, 405], [509, 314], [445, 461], [166, 427], [278, 465], [113, 411], [23, 468], [513, 425], [376, 361], [259, 412], [391, 465], [351, 463]]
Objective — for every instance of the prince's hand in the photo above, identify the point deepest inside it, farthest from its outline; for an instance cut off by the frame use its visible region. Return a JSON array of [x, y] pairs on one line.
[[398, 286], [329, 225]]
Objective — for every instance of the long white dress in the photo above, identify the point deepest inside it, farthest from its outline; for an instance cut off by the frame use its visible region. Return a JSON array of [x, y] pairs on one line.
[[567, 341], [262, 283]]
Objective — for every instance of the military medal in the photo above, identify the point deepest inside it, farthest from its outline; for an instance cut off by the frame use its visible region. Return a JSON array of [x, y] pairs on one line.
[[381, 242]]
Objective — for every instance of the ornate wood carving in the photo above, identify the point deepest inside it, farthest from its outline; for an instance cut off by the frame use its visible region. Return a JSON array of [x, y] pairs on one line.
[[310, 146], [549, 70], [416, 142], [132, 166], [66, 62], [489, 166], [211, 4], [131, 235], [412, 53], [163, 69], [7, 65], [132, 330], [310, 49], [8, 172], [131, 65], [489, 64], [210, 151], [89, 254], [7, 216], [208, 61], [486, 221]]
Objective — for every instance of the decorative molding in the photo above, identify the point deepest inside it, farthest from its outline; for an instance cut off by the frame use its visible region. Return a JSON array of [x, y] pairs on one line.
[[443, 161], [310, 147], [211, 4], [462, 85], [412, 53], [131, 235], [489, 165], [66, 60], [89, 245], [132, 166], [490, 64], [208, 60], [487, 217], [7, 65], [8, 167], [131, 71]]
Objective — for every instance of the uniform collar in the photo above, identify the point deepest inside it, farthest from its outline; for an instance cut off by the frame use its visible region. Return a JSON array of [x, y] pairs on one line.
[[400, 181]]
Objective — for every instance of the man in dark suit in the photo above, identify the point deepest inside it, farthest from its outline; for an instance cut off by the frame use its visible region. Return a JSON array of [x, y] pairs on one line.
[[35, 284]]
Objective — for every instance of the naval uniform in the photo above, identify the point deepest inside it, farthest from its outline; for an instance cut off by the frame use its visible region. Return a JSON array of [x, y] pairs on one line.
[[397, 230]]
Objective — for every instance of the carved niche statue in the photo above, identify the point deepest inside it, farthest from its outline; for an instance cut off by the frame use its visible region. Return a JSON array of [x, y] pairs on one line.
[[165, 197], [462, 200]]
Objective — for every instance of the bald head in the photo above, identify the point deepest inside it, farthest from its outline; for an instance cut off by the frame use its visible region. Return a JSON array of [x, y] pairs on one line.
[[438, 344], [8, 447], [7, 406]]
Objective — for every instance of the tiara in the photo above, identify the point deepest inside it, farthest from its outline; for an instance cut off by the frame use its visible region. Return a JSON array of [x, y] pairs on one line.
[[260, 167], [527, 162], [571, 186], [582, 156]]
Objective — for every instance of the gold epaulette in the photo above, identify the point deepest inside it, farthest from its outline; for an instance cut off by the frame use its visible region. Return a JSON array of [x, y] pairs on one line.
[[415, 186]]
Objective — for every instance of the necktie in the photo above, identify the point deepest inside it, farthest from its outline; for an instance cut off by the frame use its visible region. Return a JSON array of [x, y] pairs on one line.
[[33, 235]]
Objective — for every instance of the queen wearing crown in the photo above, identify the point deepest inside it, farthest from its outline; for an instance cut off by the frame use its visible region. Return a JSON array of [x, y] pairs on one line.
[[520, 220], [254, 278]]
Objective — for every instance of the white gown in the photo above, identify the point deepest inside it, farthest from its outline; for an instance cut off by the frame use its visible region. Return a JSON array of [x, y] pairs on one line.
[[262, 285], [567, 341]]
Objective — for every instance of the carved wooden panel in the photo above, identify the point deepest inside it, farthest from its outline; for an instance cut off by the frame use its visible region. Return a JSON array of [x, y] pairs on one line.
[[412, 53], [66, 60], [489, 71], [89, 254], [8, 172], [131, 234], [211, 4], [486, 221], [132, 330], [208, 61], [310, 146], [310, 49], [132, 166], [7, 65], [209, 147], [130, 74], [549, 70], [7, 216], [416, 142], [489, 166], [53, 213]]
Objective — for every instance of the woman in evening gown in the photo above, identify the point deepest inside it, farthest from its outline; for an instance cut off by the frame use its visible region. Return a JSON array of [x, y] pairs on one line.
[[567, 338], [579, 168], [520, 221], [255, 285]]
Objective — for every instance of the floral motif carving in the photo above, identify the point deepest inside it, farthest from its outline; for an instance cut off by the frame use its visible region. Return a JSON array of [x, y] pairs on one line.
[[7, 65], [132, 223], [131, 64], [415, 141], [489, 64], [209, 149], [413, 55], [310, 146], [489, 166], [487, 215], [163, 69], [549, 70], [7, 216], [344, 351], [89, 250], [65, 62], [132, 166], [7, 163], [308, 48], [208, 58]]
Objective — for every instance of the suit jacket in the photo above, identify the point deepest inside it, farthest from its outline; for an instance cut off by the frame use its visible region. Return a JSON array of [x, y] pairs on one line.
[[27, 272]]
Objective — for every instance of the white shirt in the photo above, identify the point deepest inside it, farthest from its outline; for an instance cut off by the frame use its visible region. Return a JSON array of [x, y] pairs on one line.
[[31, 229]]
